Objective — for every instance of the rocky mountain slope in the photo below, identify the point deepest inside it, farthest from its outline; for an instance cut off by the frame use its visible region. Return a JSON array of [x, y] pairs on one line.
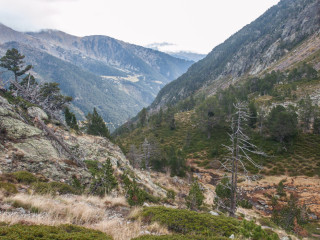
[[117, 78], [26, 146], [249, 51]]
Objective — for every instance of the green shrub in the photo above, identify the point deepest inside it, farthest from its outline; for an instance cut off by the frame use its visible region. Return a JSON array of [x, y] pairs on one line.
[[250, 230], [195, 198], [8, 188], [286, 215], [244, 203], [178, 237], [135, 195], [18, 204], [189, 222], [62, 232], [171, 194], [53, 188], [223, 194], [103, 180], [25, 177]]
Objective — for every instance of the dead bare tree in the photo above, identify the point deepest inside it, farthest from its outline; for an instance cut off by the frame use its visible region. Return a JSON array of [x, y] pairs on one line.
[[240, 150]]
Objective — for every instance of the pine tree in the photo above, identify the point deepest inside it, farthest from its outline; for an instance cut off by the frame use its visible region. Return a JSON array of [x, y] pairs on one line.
[[195, 198], [252, 115], [13, 61], [70, 119], [96, 126], [104, 181]]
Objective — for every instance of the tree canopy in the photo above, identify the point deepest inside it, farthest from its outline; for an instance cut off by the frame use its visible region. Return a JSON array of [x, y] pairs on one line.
[[95, 125]]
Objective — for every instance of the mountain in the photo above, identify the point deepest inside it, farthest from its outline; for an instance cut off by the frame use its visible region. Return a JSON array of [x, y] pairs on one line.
[[273, 65], [249, 51], [191, 56], [170, 49], [116, 77]]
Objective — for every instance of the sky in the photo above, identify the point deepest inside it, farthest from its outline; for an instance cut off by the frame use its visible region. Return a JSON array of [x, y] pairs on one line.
[[190, 25]]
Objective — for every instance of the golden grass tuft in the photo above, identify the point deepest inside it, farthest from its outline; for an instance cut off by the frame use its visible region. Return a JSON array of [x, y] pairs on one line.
[[88, 211], [70, 209]]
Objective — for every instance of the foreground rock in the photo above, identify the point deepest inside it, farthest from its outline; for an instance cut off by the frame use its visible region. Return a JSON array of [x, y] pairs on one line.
[[24, 146]]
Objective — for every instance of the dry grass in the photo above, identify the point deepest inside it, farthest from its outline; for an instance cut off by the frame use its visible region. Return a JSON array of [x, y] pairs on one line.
[[69, 208], [120, 230], [29, 219], [89, 211]]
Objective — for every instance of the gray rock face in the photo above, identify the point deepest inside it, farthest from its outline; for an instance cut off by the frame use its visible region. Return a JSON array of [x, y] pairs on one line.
[[26, 147], [37, 112]]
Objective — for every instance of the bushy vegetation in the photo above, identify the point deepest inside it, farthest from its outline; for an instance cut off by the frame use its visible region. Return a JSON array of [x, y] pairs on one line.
[[71, 119], [136, 195], [8, 188], [195, 198], [25, 177], [62, 232], [289, 216], [95, 125], [103, 180], [178, 237], [195, 225], [202, 125], [53, 188], [191, 222]]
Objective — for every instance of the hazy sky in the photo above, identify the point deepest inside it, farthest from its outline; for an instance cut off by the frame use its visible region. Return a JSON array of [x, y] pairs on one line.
[[195, 25]]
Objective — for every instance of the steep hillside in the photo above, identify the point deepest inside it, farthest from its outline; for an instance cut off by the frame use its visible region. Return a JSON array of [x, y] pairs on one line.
[[249, 51], [119, 74], [198, 124]]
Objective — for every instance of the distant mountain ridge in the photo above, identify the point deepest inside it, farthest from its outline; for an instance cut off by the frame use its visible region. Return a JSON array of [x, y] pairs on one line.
[[248, 52], [169, 49], [125, 77]]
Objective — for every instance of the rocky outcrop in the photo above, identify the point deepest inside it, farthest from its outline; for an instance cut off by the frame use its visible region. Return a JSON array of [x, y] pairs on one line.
[[24, 146], [37, 112]]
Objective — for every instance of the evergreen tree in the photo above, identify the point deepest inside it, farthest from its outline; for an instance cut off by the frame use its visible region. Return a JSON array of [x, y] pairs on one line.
[[95, 125], [282, 123], [104, 181], [195, 198], [223, 194], [176, 161], [252, 115], [13, 61], [306, 112], [143, 117], [70, 119]]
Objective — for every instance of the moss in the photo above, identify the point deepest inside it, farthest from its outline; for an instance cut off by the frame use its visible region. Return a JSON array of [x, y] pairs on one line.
[[53, 188], [178, 237], [62, 232], [8, 188], [24, 177]]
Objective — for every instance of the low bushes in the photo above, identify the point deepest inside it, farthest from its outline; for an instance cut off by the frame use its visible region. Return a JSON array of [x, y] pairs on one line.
[[62, 232], [8, 188], [178, 237], [190, 222], [53, 188], [25, 177], [194, 225]]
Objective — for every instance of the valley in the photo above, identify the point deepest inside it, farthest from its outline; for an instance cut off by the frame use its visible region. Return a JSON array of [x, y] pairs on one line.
[[102, 139]]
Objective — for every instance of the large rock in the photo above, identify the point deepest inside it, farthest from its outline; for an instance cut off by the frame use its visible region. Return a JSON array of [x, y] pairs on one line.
[[37, 112], [17, 129]]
